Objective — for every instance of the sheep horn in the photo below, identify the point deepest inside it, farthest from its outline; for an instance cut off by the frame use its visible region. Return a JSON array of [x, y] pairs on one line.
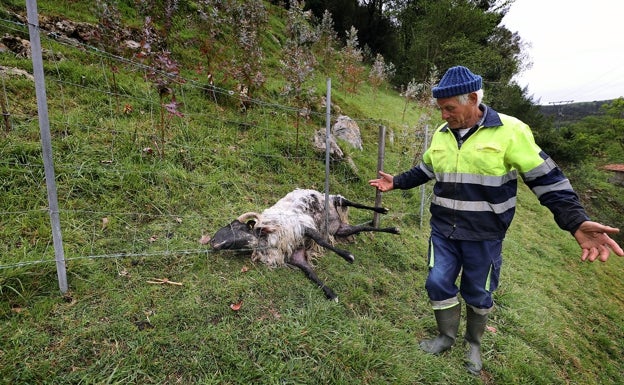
[[245, 217]]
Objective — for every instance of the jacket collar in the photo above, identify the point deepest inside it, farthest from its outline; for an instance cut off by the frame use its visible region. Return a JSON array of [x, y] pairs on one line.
[[490, 118]]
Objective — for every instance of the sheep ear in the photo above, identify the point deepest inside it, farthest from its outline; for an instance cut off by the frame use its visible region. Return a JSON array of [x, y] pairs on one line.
[[268, 229], [251, 224]]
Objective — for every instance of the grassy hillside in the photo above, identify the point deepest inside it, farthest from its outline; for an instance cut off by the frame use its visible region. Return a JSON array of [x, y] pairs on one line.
[[137, 190]]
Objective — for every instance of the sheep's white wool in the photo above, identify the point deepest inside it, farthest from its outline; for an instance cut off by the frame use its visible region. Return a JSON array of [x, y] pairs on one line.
[[288, 218]]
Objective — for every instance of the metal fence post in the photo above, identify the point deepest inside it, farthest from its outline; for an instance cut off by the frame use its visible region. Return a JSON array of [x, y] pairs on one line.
[[46, 141], [381, 153], [327, 151]]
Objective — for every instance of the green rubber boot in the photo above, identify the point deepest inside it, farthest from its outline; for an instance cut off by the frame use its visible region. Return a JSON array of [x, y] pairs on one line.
[[448, 324], [475, 326]]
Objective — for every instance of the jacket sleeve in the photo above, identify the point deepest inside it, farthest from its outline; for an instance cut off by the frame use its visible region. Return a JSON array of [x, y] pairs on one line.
[[554, 191], [418, 175], [547, 181]]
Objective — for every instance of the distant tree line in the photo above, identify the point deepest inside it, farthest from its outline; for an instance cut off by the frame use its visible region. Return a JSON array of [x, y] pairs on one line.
[[420, 37], [571, 112], [595, 136]]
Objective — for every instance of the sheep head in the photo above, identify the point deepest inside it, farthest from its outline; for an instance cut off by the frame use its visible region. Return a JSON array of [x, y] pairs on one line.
[[238, 235]]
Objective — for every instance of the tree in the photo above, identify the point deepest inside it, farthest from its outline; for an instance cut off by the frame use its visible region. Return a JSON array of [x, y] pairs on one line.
[[593, 137], [615, 121], [214, 20], [345, 13], [164, 72], [327, 41], [298, 61], [376, 28], [380, 72], [161, 12], [445, 33], [410, 93], [248, 19], [351, 69], [420, 91]]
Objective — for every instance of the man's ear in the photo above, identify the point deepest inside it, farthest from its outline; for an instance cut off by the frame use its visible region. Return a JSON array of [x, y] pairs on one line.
[[473, 97]]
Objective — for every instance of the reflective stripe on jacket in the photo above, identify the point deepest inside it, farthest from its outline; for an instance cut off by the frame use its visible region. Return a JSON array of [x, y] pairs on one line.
[[476, 182]]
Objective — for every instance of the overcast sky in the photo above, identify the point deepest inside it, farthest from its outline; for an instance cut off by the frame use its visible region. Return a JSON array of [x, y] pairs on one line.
[[576, 46]]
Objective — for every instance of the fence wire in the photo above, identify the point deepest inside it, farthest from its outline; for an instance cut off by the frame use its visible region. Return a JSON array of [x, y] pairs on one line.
[[116, 181]]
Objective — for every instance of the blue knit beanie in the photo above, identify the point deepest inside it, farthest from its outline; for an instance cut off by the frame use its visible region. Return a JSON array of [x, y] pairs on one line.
[[457, 81]]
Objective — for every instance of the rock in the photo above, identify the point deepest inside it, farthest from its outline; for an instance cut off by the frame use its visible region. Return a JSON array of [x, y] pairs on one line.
[[348, 130], [319, 141]]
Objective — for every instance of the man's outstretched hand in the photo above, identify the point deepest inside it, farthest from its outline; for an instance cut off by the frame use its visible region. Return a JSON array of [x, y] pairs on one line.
[[593, 239], [385, 182]]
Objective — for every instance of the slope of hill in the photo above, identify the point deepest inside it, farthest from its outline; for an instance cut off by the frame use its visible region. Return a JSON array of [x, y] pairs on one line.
[[141, 178]]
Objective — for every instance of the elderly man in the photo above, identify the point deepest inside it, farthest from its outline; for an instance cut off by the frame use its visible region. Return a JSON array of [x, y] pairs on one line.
[[475, 159]]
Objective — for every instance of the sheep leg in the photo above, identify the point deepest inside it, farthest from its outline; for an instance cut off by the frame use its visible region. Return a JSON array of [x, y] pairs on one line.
[[342, 201], [345, 229], [318, 238], [298, 259]]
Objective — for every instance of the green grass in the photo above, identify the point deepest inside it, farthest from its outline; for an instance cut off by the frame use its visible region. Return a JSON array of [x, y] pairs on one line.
[[557, 321]]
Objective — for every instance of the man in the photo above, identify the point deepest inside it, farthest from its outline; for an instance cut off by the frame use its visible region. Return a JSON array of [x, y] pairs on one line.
[[475, 159]]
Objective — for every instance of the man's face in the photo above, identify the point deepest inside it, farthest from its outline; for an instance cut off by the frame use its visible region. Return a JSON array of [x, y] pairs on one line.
[[456, 114]]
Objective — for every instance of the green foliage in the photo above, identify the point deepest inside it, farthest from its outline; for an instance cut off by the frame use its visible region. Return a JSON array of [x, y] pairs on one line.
[[614, 126], [443, 34], [597, 137], [583, 148], [298, 61], [327, 43], [351, 69], [249, 19], [513, 100], [380, 73], [601, 198]]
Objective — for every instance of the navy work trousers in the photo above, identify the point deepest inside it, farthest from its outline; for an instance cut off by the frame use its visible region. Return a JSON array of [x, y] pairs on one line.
[[479, 263]]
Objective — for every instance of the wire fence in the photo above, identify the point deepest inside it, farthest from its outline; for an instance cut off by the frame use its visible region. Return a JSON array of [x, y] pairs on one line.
[[119, 162]]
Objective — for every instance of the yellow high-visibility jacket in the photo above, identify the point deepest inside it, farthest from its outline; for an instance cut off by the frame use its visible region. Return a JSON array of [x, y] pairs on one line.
[[476, 179]]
